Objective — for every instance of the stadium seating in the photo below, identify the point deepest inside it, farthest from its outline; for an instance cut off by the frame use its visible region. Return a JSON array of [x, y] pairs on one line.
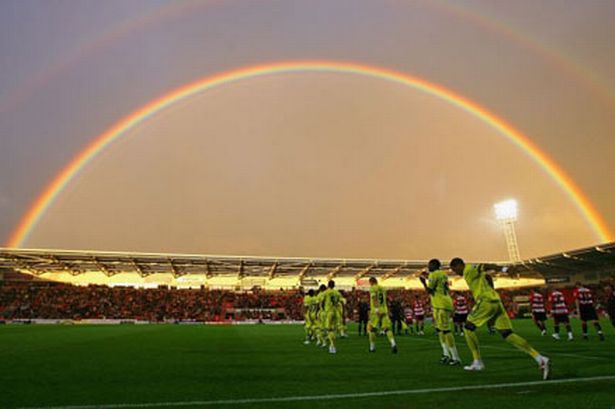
[[47, 300]]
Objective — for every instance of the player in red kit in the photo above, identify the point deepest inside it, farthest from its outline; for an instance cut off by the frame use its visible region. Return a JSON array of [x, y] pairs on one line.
[[559, 310], [539, 312], [409, 315], [587, 311], [461, 313], [419, 315]]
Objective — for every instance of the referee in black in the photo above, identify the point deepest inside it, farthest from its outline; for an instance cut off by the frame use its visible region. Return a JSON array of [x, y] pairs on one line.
[[363, 316]]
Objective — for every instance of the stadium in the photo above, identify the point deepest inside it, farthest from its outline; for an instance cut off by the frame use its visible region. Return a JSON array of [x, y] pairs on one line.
[[307, 204], [143, 314]]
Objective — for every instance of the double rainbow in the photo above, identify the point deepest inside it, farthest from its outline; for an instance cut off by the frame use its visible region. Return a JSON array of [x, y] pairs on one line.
[[58, 184]]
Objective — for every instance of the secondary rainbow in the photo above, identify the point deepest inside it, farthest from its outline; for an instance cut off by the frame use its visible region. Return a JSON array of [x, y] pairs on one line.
[[168, 11], [121, 128]]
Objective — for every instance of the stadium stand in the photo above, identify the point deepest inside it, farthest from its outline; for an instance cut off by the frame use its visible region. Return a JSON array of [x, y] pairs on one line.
[[32, 287], [25, 300]]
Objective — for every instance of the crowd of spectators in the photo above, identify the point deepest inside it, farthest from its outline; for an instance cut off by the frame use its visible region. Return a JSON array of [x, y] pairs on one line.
[[46, 300], [64, 301]]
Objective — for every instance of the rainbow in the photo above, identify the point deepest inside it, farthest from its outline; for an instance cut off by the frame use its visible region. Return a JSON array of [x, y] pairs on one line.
[[171, 10], [106, 39], [67, 174], [564, 64]]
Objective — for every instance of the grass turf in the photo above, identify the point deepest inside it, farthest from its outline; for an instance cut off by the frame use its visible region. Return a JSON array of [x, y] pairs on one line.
[[92, 365]]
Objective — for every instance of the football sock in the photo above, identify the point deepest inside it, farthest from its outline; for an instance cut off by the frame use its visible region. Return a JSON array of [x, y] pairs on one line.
[[445, 351], [332, 338], [472, 341], [450, 343], [391, 338]]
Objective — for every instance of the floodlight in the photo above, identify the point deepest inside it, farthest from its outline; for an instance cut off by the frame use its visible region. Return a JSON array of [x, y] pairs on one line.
[[506, 215], [506, 210]]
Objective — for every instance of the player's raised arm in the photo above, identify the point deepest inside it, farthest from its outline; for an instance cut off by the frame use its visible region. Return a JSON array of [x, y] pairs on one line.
[[423, 280], [489, 280], [492, 267]]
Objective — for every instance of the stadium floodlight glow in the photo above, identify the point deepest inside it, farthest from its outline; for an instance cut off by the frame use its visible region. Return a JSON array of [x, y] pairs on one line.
[[506, 210], [506, 214]]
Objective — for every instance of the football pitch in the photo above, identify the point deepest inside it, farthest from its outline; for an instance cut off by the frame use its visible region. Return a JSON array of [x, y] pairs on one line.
[[267, 366]]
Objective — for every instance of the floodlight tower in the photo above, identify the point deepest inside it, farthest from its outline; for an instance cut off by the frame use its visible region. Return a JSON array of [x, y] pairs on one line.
[[506, 215]]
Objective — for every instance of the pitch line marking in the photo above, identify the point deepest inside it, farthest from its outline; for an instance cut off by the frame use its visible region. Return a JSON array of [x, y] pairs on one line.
[[330, 397]]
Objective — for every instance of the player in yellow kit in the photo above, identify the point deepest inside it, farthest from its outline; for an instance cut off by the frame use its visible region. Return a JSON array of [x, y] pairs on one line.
[[379, 315], [332, 299], [489, 307], [321, 330], [309, 312], [436, 285], [341, 327]]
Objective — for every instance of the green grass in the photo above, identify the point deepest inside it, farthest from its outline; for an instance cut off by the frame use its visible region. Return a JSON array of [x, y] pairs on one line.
[[90, 365]]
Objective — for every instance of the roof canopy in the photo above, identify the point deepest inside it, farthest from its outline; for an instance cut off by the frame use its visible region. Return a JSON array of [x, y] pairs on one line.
[[75, 266], [596, 259], [39, 262]]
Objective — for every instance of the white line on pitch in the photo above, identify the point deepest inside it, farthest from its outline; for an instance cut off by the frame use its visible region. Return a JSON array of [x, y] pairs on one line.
[[330, 397]]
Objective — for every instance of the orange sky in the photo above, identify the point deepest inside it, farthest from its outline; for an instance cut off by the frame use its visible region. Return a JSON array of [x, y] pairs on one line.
[[310, 164]]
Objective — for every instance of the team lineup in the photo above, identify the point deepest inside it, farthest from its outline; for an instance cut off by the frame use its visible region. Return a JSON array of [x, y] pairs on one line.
[[325, 320]]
